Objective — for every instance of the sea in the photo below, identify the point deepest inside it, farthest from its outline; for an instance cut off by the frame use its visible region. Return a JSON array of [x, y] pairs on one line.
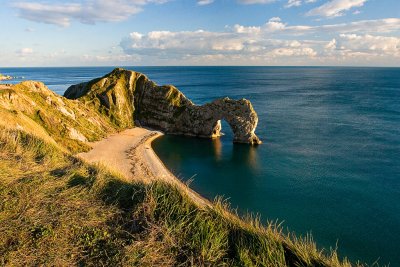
[[329, 164]]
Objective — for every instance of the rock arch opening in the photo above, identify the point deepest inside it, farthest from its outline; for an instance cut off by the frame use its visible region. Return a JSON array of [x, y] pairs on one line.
[[131, 98], [226, 130]]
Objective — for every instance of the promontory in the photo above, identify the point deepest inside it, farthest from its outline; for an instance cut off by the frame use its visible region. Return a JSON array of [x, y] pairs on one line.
[[59, 208], [130, 98]]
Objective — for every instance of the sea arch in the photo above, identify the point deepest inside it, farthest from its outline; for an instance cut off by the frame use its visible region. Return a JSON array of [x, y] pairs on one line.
[[239, 114]]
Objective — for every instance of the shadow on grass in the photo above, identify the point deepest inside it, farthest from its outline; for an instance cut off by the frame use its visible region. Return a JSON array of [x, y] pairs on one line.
[[127, 196]]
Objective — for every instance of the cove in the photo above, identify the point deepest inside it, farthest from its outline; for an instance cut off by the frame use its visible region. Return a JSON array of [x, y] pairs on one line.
[[330, 159]]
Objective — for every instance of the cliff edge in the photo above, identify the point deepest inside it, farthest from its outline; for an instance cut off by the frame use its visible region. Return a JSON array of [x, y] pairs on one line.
[[129, 98]]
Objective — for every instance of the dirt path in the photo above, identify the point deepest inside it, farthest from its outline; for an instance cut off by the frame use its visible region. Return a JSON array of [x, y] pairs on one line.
[[130, 154]]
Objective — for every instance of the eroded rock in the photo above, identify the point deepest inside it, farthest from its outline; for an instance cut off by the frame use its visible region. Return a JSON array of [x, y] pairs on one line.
[[128, 97], [75, 134]]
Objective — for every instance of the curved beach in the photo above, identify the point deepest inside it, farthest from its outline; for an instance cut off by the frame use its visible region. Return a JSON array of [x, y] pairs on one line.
[[129, 153]]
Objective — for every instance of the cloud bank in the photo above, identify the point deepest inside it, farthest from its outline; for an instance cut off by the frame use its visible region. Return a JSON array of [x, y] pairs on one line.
[[275, 42]]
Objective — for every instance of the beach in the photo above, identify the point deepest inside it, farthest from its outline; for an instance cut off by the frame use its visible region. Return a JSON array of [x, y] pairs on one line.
[[330, 146], [129, 153]]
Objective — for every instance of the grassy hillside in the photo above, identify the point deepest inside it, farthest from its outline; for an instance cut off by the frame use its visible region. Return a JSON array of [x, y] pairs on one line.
[[32, 107], [57, 210]]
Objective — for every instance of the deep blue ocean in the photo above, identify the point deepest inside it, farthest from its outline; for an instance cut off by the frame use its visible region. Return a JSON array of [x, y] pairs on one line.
[[330, 161]]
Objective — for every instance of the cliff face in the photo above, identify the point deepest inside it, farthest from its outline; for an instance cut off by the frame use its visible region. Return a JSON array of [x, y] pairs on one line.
[[128, 98]]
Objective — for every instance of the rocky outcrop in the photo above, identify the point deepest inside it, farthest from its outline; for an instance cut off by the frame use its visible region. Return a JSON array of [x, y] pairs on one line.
[[37, 110], [5, 77], [129, 98]]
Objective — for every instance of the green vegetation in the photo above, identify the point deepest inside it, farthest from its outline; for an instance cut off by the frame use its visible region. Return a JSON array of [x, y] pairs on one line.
[[110, 95], [173, 95], [57, 210], [34, 108]]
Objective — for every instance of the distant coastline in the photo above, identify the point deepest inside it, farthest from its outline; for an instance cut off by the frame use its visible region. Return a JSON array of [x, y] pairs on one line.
[[5, 77]]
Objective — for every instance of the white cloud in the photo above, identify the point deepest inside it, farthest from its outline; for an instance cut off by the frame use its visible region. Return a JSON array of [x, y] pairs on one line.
[[369, 43], [275, 25], [291, 52], [93, 59], [88, 12], [294, 3], [331, 46], [23, 52], [335, 8], [204, 2], [250, 30], [275, 42], [365, 26], [185, 42]]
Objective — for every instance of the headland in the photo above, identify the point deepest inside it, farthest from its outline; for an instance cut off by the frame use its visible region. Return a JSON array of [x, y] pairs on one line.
[[85, 187]]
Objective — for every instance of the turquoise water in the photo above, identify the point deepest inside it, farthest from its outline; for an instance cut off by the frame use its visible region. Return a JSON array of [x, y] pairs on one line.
[[330, 162]]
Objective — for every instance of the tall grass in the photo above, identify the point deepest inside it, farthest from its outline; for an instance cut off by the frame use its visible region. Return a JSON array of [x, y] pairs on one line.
[[57, 210]]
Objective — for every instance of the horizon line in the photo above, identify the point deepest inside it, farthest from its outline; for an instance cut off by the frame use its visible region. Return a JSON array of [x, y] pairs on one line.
[[168, 66]]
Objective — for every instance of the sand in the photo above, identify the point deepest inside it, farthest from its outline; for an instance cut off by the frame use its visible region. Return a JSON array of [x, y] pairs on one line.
[[130, 154]]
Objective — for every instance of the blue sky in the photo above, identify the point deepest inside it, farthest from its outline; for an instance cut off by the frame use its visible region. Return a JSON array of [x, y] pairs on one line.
[[199, 32]]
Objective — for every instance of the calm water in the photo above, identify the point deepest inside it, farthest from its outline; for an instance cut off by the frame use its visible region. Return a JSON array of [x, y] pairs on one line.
[[330, 162]]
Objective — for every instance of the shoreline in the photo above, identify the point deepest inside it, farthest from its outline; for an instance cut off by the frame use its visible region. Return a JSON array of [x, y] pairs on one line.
[[130, 154], [168, 176]]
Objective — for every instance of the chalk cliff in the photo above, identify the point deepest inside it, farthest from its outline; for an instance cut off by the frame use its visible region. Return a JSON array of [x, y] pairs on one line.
[[129, 98]]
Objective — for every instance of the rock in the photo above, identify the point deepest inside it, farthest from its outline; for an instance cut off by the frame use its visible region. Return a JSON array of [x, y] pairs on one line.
[[129, 97], [205, 120], [66, 112], [75, 134], [36, 109], [5, 77], [112, 95]]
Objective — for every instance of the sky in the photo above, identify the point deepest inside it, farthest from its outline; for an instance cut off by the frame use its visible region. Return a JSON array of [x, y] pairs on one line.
[[199, 32]]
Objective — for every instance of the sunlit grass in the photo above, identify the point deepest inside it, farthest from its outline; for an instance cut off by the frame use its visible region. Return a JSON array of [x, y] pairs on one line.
[[57, 210]]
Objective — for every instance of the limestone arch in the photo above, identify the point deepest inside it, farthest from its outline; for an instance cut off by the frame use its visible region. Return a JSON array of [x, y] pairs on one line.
[[239, 115]]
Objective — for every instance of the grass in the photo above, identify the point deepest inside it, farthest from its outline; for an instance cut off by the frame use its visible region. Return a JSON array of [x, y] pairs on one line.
[[38, 110], [57, 210], [110, 95]]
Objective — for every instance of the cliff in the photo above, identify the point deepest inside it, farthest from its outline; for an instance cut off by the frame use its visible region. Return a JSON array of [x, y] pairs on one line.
[[57, 210], [114, 102], [129, 98]]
